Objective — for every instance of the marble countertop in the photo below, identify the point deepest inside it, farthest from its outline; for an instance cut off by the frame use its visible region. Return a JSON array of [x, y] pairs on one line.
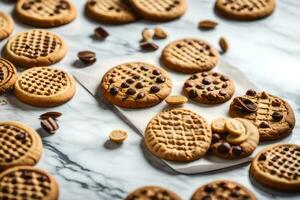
[[79, 155]]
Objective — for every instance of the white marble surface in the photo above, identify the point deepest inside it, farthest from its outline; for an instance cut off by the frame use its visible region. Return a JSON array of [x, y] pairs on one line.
[[87, 166]]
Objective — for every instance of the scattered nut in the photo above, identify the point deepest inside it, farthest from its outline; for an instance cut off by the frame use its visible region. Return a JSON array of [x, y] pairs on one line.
[[176, 100], [101, 33], [118, 136], [160, 33], [207, 24], [147, 35], [149, 46], [223, 44]]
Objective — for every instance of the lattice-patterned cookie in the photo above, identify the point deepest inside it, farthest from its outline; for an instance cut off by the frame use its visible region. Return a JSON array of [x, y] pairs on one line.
[[162, 10], [20, 145], [245, 9], [178, 135], [151, 193], [272, 115], [45, 86], [209, 88], [27, 183], [35, 48], [223, 189], [8, 75], [136, 85], [278, 167], [190, 56], [111, 11], [6, 25], [45, 13]]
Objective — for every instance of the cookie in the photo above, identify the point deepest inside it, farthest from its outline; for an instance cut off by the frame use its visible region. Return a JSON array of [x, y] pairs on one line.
[[245, 9], [152, 192], [272, 115], [209, 88], [6, 25], [178, 135], [163, 10], [25, 182], [233, 138], [8, 75], [45, 13], [223, 189], [136, 85], [35, 48], [20, 145], [45, 87], [278, 167], [190, 55], [111, 11]]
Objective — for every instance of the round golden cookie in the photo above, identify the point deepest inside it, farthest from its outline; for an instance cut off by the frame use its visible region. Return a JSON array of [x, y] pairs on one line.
[[272, 115], [25, 182], [45, 87], [111, 11], [6, 25], [178, 135], [136, 85], [152, 192], [190, 55], [278, 167], [35, 48], [228, 146], [245, 9], [163, 10], [8, 75], [223, 189], [209, 88], [45, 13], [20, 145]]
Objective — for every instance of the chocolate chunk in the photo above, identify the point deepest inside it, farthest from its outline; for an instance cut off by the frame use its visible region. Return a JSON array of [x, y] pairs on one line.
[[215, 74], [262, 157], [160, 80], [277, 116], [224, 148], [188, 84], [245, 104], [140, 95], [210, 88], [251, 92], [125, 85], [114, 91], [139, 85], [211, 97], [156, 72], [193, 77], [215, 138], [200, 87], [49, 125], [136, 77], [144, 68], [130, 91], [101, 33], [193, 94], [276, 103], [87, 57], [154, 89], [20, 136], [149, 46], [237, 150], [204, 74], [209, 188], [264, 95], [53, 115], [264, 124], [223, 92], [224, 78], [206, 81]]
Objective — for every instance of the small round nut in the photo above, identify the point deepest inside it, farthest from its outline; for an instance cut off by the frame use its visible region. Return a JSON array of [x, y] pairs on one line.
[[234, 127], [118, 136], [218, 125], [176, 100]]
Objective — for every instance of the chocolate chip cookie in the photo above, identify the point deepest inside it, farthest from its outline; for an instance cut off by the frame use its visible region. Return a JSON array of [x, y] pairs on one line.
[[6, 25], [136, 85], [8, 75], [152, 192]]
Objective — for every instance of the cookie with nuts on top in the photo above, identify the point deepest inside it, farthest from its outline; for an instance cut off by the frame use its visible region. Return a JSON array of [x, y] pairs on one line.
[[209, 88], [272, 115], [136, 85]]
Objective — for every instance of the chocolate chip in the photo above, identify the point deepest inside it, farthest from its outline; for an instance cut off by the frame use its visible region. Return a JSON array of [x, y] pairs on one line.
[[26, 175], [264, 124], [206, 197], [20, 136], [154, 89], [87, 57], [43, 178], [131, 91], [251, 92], [245, 104], [204, 74], [215, 138], [276, 103], [140, 95], [235, 194], [26, 6], [136, 77], [101, 33], [125, 85], [5, 189], [224, 78], [149, 46], [156, 72], [114, 91], [215, 74], [49, 125], [193, 77], [160, 80], [92, 2], [211, 97], [237, 150], [223, 92], [144, 68], [264, 95], [54, 115], [210, 88], [206, 81], [139, 85], [112, 80], [209, 188], [262, 157], [193, 94], [188, 84], [200, 87], [277, 116], [224, 148], [224, 85]]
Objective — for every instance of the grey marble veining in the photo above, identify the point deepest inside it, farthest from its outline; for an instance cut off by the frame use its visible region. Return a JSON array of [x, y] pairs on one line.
[[87, 166]]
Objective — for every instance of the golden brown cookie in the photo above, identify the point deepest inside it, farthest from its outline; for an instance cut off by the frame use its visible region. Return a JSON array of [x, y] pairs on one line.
[[8, 75], [238, 141], [45, 87], [209, 88], [190, 55], [245, 9], [45, 13], [278, 167], [272, 115], [35, 48], [223, 189], [178, 135], [163, 10], [152, 192], [6, 25], [20, 145], [136, 85], [27, 183], [111, 11]]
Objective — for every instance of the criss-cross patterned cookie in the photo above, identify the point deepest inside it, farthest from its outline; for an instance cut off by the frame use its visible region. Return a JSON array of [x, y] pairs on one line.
[[20, 145], [152, 192], [162, 10], [111, 11], [209, 88], [45, 13], [245, 9], [272, 115], [223, 189], [45, 87], [190, 55], [24, 183], [8, 75], [135, 85], [35, 48], [278, 167], [178, 135], [6, 25]]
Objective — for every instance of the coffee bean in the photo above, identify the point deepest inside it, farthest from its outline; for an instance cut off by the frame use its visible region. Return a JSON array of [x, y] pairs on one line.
[[156, 72], [130, 91], [140, 95], [114, 91], [49, 125], [154, 89], [206, 81], [20, 136], [160, 80], [251, 92], [101, 33], [215, 138], [237, 150], [87, 57], [54, 115], [224, 78], [188, 84], [224, 148], [277, 116], [139, 85], [264, 124], [264, 95], [223, 92], [193, 94]]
